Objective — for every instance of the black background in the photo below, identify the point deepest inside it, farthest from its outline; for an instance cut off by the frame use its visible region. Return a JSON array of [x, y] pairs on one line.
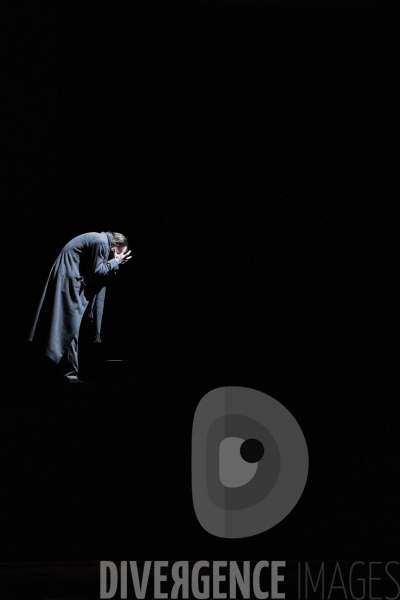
[[243, 156]]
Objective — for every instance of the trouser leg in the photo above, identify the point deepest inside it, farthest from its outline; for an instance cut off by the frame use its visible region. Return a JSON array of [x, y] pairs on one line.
[[70, 360]]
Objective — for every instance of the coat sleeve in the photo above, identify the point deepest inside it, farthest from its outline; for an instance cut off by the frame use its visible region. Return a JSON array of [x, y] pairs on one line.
[[99, 266]]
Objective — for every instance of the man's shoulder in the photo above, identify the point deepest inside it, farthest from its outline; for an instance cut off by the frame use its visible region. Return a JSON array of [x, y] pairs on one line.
[[92, 237], [96, 236], [87, 240]]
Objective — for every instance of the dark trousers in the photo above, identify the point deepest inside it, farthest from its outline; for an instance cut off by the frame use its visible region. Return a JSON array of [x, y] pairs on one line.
[[69, 361]]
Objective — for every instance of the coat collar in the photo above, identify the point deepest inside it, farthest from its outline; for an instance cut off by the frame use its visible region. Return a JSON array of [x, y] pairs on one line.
[[109, 237]]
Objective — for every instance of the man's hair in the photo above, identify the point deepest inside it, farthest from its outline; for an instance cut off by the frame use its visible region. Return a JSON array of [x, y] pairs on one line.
[[119, 239]]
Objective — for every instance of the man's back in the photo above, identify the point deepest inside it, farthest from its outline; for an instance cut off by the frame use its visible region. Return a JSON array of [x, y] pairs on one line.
[[81, 255]]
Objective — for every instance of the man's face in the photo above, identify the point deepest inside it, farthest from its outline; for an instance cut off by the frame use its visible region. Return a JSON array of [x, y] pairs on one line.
[[117, 249]]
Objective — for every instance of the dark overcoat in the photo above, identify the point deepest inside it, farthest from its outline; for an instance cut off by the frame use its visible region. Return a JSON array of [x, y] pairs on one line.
[[77, 281]]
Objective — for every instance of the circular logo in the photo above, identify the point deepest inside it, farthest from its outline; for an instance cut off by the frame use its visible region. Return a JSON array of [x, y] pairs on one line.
[[249, 462]]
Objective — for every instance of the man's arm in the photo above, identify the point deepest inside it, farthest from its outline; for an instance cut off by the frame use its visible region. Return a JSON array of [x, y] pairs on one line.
[[99, 266]]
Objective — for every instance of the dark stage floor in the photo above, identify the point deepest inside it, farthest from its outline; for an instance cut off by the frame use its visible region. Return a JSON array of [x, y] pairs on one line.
[[103, 471]]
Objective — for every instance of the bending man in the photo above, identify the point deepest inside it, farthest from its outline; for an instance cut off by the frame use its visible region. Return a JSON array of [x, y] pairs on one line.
[[77, 282]]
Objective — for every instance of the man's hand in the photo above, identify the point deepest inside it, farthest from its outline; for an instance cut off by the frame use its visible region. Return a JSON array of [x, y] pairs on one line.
[[121, 255]]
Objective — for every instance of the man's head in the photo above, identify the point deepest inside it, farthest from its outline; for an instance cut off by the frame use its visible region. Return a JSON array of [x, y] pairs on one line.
[[119, 242]]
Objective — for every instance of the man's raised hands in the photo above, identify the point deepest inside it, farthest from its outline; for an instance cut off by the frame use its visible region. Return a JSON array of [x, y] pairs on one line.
[[121, 255]]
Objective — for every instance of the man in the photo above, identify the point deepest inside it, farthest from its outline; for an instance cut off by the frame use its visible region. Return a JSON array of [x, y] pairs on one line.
[[77, 282]]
